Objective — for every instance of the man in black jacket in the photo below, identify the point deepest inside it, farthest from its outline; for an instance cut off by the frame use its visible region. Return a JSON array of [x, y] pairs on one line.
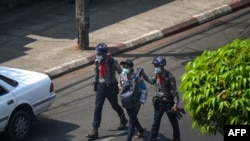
[[106, 86], [166, 99]]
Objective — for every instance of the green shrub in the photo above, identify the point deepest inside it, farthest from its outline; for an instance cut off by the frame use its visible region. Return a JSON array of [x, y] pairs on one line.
[[216, 87]]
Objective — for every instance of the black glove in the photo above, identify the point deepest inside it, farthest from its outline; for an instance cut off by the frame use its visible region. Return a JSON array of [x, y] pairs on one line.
[[179, 113]]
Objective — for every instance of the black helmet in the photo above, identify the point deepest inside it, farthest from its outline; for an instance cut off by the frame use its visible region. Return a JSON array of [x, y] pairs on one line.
[[159, 60], [101, 48], [127, 62]]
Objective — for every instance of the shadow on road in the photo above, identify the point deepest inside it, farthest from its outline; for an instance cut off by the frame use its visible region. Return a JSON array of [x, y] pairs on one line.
[[54, 129]]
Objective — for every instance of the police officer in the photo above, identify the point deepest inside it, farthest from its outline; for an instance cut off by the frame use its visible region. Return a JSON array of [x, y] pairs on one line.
[[166, 99], [106, 86]]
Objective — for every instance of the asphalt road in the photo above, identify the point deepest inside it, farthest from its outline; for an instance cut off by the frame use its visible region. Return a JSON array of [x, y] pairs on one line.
[[70, 117]]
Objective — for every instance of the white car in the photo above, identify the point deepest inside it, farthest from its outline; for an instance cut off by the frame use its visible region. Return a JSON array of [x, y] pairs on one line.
[[23, 95]]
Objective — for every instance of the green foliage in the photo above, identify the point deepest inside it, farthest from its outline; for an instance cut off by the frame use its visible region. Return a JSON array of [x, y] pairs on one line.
[[216, 87]]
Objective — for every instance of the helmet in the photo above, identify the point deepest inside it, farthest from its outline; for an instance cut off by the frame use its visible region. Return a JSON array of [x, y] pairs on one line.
[[159, 60], [101, 48]]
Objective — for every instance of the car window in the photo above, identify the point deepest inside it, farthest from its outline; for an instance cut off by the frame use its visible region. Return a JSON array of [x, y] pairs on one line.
[[3, 91], [10, 81]]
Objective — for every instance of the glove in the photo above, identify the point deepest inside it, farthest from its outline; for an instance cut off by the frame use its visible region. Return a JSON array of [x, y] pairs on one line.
[[179, 113]]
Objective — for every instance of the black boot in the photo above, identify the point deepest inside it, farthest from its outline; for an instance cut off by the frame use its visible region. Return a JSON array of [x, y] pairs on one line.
[[123, 123], [93, 134]]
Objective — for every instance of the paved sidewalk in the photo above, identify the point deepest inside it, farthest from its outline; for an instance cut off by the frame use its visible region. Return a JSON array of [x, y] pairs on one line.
[[42, 37]]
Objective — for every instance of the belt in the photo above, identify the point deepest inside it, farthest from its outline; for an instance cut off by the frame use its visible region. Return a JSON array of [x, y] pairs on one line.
[[165, 98], [105, 84]]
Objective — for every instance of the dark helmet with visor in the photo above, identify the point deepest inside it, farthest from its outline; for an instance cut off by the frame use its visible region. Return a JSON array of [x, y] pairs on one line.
[[101, 48], [159, 60]]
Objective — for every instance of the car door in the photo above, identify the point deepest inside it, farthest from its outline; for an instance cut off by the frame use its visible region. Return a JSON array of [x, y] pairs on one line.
[[7, 104]]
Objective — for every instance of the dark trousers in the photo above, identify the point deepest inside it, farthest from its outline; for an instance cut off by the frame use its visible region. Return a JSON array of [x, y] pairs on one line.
[[160, 109], [110, 92], [133, 123]]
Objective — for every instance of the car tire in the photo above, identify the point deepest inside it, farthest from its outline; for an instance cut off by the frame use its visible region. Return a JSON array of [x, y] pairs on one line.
[[19, 126]]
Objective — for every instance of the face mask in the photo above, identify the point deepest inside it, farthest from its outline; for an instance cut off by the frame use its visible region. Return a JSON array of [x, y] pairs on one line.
[[157, 69], [99, 57], [125, 71]]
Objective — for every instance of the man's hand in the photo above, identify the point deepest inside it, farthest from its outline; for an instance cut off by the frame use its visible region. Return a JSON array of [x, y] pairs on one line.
[[174, 108], [120, 89]]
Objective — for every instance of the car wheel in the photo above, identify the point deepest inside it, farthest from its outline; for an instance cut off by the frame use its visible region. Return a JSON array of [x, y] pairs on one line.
[[19, 126]]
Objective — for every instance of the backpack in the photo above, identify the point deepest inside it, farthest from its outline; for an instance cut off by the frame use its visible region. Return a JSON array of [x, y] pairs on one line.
[[131, 92]]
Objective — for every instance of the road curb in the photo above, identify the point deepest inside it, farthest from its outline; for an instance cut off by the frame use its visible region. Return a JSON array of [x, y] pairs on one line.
[[195, 20]]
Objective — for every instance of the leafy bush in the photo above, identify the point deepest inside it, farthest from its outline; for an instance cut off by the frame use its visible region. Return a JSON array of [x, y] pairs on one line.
[[216, 87]]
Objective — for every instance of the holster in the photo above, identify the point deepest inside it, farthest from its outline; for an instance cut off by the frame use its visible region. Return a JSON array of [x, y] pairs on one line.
[[156, 102], [165, 102]]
